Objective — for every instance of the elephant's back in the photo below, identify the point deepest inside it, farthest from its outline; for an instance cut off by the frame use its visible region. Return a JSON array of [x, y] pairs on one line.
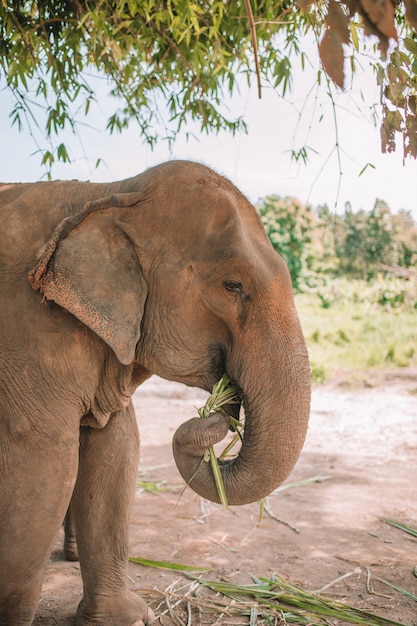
[[29, 213]]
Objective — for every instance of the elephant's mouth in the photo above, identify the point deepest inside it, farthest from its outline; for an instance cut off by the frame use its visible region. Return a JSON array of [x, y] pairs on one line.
[[233, 410], [217, 367], [218, 370]]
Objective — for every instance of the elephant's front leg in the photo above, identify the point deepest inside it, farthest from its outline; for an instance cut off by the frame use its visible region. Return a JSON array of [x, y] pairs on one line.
[[41, 468], [101, 506]]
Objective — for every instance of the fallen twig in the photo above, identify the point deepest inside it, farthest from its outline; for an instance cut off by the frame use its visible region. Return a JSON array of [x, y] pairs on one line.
[[357, 570]]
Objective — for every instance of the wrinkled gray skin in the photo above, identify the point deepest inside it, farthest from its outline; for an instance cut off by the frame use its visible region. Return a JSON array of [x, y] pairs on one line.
[[101, 286]]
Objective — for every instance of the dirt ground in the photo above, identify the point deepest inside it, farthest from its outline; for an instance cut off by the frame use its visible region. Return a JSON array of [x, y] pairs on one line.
[[362, 438]]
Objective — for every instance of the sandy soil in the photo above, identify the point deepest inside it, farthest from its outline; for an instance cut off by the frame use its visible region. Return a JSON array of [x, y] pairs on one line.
[[363, 440]]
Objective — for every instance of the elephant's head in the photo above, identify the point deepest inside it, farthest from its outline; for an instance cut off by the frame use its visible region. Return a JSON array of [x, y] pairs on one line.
[[175, 273]]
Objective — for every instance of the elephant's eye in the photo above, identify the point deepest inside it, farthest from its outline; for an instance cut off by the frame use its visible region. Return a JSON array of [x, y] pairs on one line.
[[232, 285]]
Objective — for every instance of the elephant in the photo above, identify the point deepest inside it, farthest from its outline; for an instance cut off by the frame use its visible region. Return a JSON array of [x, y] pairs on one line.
[[103, 285]]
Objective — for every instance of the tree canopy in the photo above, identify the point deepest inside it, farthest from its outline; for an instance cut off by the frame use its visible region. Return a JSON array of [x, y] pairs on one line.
[[357, 244], [184, 56]]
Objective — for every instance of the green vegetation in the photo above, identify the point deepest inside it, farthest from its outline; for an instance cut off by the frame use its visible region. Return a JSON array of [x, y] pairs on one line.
[[355, 278], [356, 336], [318, 244], [179, 567], [289, 227], [151, 486], [224, 392], [264, 601], [400, 525], [166, 63]]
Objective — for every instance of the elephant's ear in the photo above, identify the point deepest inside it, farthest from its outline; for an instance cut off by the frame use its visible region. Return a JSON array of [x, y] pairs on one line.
[[90, 268]]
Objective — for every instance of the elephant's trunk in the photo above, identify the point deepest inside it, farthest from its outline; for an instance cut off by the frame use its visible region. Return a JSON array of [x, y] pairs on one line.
[[276, 385]]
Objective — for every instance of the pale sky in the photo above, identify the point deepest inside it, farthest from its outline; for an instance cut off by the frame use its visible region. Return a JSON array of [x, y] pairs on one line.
[[258, 163]]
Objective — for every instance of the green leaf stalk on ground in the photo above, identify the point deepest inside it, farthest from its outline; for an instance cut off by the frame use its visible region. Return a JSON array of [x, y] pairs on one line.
[[270, 600]]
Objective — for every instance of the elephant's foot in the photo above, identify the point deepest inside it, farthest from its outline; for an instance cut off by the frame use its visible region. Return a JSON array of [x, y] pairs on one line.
[[122, 610]]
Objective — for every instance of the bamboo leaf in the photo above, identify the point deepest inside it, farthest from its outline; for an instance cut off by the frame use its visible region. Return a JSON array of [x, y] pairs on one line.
[[224, 392], [218, 478], [280, 595], [302, 483], [407, 529], [406, 593], [167, 565]]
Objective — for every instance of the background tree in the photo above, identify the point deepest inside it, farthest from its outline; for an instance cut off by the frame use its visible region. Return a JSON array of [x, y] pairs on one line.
[[288, 225], [183, 57], [405, 238], [379, 245], [349, 242], [318, 245], [367, 240]]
